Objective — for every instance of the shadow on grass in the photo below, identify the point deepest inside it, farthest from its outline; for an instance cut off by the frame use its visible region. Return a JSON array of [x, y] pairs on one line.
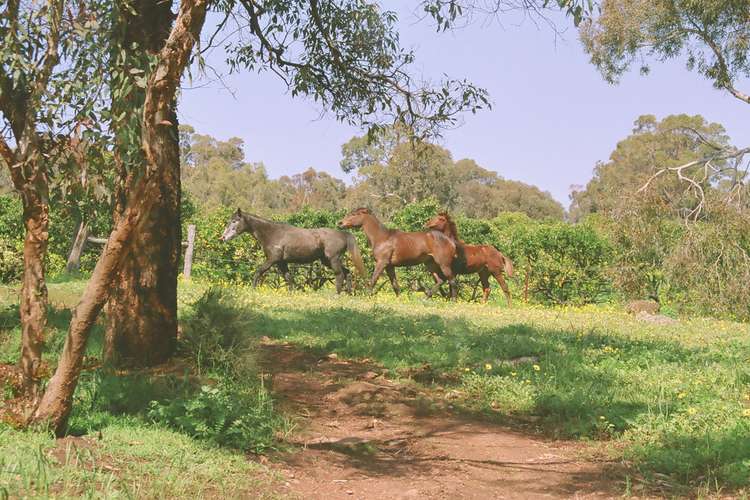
[[571, 383], [58, 321], [572, 389]]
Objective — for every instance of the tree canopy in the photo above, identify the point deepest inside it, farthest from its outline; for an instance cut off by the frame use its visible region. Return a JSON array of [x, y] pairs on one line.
[[712, 35], [654, 145]]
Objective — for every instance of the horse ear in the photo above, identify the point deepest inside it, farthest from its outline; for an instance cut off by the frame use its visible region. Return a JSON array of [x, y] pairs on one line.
[[239, 211]]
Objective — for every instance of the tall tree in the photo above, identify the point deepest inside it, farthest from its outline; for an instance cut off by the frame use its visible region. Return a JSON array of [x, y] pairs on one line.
[[485, 194], [142, 309], [349, 60], [711, 34], [653, 146], [143, 195], [45, 82], [215, 173], [394, 170], [312, 189]]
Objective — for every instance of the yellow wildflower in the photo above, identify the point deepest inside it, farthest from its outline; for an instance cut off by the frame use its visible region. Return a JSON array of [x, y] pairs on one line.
[[513, 374], [681, 395], [692, 411], [746, 412], [488, 366], [537, 368]]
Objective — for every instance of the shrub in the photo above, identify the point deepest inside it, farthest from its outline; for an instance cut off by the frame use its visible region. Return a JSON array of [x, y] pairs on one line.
[[564, 263], [11, 239], [708, 269], [217, 335], [227, 414]]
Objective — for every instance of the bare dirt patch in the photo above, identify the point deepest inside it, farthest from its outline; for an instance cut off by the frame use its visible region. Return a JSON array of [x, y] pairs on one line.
[[364, 436]]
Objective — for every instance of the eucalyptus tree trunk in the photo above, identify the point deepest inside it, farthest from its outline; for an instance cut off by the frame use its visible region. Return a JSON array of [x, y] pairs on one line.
[[142, 310], [143, 196], [34, 290], [28, 171]]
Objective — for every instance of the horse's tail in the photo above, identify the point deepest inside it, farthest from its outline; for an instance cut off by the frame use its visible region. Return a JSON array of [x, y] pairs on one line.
[[353, 248], [507, 263]]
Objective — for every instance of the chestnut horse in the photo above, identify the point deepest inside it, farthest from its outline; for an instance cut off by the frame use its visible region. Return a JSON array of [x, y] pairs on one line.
[[392, 248], [484, 260]]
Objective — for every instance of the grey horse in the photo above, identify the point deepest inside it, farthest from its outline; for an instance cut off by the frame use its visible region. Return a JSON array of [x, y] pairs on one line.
[[283, 244]]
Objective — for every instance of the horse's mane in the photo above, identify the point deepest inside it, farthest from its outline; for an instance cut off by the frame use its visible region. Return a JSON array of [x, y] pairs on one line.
[[451, 225]]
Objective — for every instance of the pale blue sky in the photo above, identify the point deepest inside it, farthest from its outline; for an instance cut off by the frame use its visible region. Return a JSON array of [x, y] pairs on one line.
[[553, 115]]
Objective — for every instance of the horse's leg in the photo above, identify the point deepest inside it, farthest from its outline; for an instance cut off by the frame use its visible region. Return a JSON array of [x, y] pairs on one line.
[[379, 267], [499, 277], [349, 286], [392, 276], [447, 272], [484, 277], [261, 271], [284, 268], [439, 279], [338, 270]]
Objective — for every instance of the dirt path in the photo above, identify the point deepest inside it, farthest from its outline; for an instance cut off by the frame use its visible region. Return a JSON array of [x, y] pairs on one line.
[[364, 436]]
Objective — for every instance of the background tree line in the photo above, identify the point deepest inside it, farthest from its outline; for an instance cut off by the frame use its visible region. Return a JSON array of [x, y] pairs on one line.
[[618, 243], [391, 171]]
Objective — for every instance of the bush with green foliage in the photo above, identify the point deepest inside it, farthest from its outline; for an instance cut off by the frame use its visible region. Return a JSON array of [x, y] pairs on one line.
[[11, 239], [228, 414], [639, 252], [62, 230], [708, 269], [216, 335]]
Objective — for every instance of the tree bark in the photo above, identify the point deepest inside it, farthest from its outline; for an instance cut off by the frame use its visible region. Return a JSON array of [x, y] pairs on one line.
[[34, 290], [76, 250], [56, 403], [142, 310]]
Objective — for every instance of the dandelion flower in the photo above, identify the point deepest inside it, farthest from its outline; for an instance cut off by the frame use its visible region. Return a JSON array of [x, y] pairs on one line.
[[692, 411], [746, 412], [513, 374], [602, 417], [681, 395], [488, 366], [466, 369], [537, 368]]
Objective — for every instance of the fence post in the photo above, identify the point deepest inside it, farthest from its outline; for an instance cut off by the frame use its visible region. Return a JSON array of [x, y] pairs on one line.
[[189, 252]]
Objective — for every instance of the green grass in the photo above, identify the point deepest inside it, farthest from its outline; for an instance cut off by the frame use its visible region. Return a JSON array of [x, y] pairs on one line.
[[124, 460], [673, 401], [178, 433]]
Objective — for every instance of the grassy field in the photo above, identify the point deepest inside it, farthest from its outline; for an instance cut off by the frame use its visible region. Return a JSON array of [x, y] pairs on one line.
[[672, 401]]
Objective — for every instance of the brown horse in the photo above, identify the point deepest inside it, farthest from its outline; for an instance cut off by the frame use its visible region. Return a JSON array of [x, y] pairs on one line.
[[392, 248], [484, 260]]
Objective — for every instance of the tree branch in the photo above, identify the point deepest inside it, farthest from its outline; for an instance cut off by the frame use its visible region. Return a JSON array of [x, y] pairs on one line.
[[725, 81], [707, 163]]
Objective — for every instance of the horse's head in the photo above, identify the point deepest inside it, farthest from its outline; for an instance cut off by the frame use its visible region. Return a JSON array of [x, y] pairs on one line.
[[234, 227], [442, 222], [355, 218]]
